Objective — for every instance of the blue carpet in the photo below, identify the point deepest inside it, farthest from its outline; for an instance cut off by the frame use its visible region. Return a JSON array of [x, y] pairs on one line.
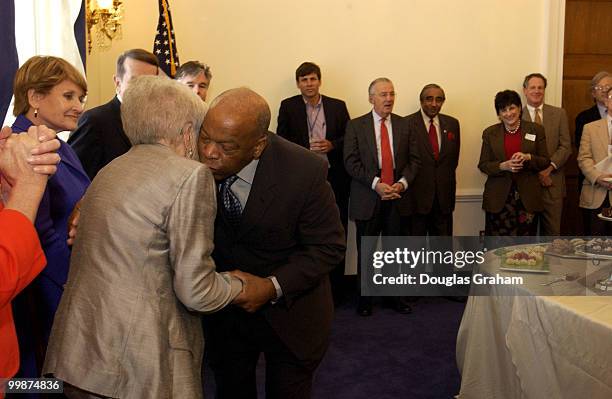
[[387, 355]]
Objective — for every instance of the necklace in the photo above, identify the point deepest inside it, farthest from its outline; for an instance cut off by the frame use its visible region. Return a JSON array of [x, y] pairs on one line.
[[513, 131]]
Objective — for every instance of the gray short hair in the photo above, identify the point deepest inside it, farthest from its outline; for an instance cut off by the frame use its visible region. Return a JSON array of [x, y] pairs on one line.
[[598, 77], [374, 82], [193, 68], [155, 108]]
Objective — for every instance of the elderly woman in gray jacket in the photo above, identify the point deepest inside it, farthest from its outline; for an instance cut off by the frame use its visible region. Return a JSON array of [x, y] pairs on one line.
[[141, 266]]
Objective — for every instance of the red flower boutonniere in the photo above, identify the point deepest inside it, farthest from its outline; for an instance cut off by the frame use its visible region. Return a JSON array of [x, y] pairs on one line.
[[450, 136]]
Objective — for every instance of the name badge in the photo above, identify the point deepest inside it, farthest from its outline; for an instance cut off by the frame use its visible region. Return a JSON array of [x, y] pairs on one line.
[[530, 137]]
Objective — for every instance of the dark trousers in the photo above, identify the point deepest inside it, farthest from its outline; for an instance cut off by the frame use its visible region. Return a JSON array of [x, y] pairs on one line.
[[234, 341], [338, 181], [385, 222], [434, 223], [593, 225]]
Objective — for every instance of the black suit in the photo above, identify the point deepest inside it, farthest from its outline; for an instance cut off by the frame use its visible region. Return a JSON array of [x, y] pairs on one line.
[[289, 229], [372, 215], [587, 116], [293, 125], [433, 189], [99, 137]]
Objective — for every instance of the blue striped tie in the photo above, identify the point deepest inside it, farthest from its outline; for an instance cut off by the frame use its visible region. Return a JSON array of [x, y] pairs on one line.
[[231, 205]]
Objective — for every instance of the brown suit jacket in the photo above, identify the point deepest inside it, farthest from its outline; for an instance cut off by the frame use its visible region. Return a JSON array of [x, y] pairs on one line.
[[593, 149], [499, 182], [141, 261], [558, 144]]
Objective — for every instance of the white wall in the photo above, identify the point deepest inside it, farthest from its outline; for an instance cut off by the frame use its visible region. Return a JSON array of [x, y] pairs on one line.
[[473, 48]]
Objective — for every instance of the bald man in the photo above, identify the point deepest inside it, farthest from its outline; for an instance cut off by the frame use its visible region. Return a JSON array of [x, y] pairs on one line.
[[276, 219]]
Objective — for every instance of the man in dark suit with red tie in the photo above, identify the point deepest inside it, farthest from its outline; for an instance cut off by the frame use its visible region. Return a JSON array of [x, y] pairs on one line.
[[318, 123], [277, 220], [433, 189], [382, 159]]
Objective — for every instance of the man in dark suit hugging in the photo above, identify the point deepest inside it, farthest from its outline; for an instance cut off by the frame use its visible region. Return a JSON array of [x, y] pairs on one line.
[[277, 220]]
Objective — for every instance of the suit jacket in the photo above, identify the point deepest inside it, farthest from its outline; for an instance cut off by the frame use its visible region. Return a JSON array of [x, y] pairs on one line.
[[293, 125], [499, 182], [99, 137], [290, 229], [558, 144], [435, 177], [140, 263], [593, 149], [21, 259], [361, 162], [587, 116]]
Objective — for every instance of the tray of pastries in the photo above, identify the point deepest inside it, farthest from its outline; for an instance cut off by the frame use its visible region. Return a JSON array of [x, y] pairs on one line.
[[566, 248], [598, 248]]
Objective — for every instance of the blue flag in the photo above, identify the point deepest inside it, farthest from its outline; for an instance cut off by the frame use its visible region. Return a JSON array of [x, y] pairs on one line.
[[164, 46]]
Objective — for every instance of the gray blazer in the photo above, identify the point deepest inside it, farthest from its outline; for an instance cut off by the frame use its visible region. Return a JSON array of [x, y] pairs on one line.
[[141, 265], [558, 144], [361, 162]]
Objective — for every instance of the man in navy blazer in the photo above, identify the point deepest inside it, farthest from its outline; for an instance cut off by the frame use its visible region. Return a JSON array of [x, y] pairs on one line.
[[99, 138], [318, 123], [433, 190], [380, 184]]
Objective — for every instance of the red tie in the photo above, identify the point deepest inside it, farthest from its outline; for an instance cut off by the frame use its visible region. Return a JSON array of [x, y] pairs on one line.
[[433, 139], [386, 174]]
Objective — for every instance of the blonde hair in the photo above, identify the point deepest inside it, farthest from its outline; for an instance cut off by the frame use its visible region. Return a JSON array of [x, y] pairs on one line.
[[42, 73]]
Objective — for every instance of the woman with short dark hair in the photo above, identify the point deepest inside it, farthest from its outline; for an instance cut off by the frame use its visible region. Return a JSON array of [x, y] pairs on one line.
[[513, 152]]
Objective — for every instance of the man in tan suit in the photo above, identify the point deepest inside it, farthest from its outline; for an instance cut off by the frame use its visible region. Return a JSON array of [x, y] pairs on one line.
[[595, 194], [559, 145], [141, 265]]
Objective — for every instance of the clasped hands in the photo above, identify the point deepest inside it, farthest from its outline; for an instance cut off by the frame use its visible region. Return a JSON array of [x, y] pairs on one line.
[[25, 156], [389, 192], [256, 291], [515, 163]]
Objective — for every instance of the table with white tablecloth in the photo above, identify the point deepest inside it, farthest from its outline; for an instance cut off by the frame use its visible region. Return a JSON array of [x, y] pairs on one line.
[[515, 345]]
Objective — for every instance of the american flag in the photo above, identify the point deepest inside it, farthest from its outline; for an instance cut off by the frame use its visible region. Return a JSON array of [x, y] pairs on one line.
[[165, 43]]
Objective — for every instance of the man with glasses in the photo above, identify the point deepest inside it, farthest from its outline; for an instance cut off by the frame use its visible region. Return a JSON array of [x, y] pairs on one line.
[[600, 84], [382, 159], [433, 190]]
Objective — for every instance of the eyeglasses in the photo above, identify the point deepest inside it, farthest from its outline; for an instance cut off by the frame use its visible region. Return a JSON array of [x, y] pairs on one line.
[[430, 99], [602, 88]]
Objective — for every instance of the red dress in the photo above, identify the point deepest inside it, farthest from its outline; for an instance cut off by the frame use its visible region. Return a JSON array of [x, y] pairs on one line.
[[21, 259]]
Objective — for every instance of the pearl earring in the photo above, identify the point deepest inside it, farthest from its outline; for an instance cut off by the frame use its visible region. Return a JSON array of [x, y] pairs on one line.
[[35, 112]]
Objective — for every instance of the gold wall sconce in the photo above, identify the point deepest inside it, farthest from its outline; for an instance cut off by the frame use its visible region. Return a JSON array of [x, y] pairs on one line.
[[105, 16]]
